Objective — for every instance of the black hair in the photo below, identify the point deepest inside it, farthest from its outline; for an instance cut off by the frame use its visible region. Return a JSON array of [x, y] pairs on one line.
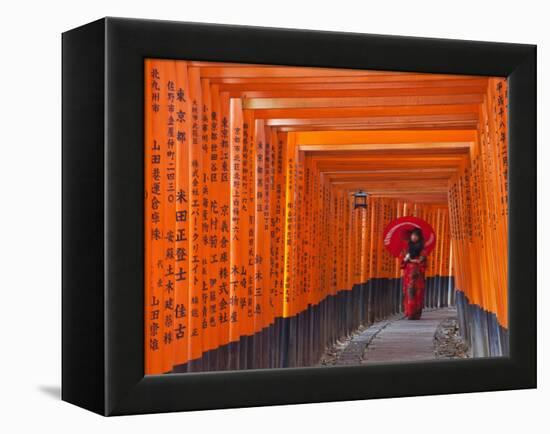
[[416, 248]]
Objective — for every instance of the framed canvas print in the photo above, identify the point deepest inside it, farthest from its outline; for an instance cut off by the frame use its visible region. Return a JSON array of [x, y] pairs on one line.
[[257, 216]]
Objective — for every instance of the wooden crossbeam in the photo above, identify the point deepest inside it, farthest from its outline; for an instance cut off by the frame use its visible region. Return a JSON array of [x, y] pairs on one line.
[[261, 74], [435, 147], [389, 137], [366, 120], [240, 86], [331, 92], [374, 101], [374, 111]]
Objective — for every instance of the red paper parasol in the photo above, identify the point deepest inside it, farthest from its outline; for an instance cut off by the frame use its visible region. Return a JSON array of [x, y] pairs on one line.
[[396, 234]]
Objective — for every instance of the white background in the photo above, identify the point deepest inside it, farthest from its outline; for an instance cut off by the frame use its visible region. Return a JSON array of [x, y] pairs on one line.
[[30, 240]]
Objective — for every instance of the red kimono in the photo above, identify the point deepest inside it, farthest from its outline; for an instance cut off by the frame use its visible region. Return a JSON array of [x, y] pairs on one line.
[[413, 284]]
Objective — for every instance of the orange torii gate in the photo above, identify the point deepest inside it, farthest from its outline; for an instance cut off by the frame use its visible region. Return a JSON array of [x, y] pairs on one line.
[[255, 257]]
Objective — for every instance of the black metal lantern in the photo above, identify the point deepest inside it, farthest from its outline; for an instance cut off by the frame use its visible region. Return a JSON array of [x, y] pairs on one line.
[[360, 199]]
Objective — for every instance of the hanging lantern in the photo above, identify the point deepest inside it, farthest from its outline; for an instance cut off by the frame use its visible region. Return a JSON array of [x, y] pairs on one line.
[[360, 199]]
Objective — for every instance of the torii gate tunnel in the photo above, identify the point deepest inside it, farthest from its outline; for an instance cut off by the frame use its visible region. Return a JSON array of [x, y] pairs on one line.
[[255, 255]]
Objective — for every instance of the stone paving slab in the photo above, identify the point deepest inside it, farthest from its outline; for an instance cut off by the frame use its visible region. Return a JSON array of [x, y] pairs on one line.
[[353, 353], [407, 340], [396, 339]]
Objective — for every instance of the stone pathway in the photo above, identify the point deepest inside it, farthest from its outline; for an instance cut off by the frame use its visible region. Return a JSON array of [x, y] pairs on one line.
[[353, 352], [396, 339], [406, 340]]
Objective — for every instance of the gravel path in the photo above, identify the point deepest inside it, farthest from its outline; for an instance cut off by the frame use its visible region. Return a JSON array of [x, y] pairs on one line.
[[448, 342]]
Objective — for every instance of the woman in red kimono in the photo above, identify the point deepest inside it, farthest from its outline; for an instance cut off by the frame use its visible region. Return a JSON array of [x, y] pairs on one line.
[[413, 264]]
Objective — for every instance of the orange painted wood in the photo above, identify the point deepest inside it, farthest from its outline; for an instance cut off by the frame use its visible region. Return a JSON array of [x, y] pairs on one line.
[[249, 176]]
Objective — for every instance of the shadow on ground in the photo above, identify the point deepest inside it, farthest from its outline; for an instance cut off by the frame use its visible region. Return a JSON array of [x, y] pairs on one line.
[[52, 391]]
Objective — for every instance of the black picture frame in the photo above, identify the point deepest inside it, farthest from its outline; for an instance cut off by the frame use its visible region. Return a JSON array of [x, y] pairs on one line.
[[103, 245]]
